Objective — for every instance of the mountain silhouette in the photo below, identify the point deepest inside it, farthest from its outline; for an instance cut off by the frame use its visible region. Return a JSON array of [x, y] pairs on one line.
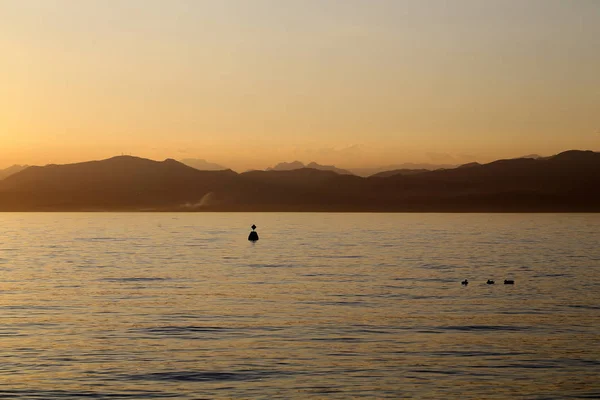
[[202, 165], [333, 168], [284, 166], [385, 174], [470, 165], [569, 181], [4, 173], [536, 156], [388, 170], [122, 182]]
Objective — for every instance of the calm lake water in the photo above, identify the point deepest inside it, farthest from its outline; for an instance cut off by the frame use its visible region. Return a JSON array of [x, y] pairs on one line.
[[142, 306]]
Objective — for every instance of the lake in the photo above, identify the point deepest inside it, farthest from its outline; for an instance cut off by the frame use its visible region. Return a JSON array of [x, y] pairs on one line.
[[178, 305]]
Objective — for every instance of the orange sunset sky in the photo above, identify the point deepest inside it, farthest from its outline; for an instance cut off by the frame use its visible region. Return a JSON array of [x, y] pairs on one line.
[[249, 83]]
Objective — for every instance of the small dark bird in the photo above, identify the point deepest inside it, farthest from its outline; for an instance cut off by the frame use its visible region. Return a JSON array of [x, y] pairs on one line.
[[509, 282], [465, 282], [490, 282]]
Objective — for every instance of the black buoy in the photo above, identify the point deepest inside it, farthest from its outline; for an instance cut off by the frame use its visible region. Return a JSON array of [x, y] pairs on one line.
[[490, 282], [253, 237], [509, 282], [465, 282]]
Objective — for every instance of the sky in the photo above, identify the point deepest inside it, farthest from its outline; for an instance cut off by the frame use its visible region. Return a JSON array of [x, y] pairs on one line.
[[249, 83]]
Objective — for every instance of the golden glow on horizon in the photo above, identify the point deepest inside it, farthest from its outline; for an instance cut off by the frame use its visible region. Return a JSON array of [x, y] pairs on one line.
[[249, 84]]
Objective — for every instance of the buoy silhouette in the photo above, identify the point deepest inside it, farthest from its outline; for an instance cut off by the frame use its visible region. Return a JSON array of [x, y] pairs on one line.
[[253, 237]]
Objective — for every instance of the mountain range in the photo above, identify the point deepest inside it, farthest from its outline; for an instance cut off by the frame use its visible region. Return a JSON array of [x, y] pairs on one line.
[[386, 169], [202, 165], [11, 170], [284, 166], [566, 182]]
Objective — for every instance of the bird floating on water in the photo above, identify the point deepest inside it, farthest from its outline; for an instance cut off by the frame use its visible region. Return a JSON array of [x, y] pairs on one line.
[[490, 282], [509, 282], [465, 282], [253, 237]]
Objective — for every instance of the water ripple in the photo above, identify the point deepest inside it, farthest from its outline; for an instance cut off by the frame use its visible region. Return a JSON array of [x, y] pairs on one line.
[[142, 306], [201, 376]]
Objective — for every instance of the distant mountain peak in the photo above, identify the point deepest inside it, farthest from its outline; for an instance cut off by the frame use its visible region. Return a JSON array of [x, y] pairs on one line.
[[391, 169], [576, 155], [202, 165], [404, 171], [534, 156], [123, 157], [285, 166], [469, 165], [5, 173]]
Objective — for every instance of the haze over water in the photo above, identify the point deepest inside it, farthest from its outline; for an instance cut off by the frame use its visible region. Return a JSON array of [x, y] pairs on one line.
[[134, 305]]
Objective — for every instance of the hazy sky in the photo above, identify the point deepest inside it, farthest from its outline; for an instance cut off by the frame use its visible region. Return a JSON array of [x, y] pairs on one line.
[[248, 83]]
